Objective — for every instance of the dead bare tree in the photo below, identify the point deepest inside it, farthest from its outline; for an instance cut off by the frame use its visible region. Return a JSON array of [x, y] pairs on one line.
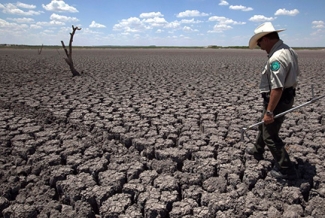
[[40, 50], [68, 59]]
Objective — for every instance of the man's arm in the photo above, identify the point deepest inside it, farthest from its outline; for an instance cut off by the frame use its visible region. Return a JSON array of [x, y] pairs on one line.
[[275, 96]]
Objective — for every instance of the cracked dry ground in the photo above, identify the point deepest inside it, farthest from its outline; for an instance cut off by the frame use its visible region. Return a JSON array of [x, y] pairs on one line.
[[151, 133]]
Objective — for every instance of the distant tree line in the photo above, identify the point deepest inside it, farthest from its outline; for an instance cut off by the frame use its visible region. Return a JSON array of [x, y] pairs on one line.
[[135, 47]]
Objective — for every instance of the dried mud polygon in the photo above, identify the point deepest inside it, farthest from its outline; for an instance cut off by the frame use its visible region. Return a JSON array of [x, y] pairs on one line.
[[152, 133]]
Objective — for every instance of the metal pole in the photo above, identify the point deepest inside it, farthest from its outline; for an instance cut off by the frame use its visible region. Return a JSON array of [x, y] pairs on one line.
[[283, 113]]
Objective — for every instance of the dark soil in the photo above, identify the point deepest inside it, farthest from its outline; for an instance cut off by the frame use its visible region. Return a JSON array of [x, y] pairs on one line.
[[152, 133]]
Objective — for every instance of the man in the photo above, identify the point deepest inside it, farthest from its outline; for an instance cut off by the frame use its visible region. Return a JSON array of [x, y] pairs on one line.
[[277, 86]]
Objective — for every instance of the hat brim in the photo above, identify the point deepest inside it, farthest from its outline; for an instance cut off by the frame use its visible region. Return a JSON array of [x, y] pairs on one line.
[[256, 37]]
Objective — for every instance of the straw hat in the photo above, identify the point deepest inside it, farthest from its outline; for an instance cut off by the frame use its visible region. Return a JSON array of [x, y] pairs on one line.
[[261, 31]]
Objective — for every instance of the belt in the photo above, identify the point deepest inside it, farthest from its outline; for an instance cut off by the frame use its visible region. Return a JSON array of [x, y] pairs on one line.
[[286, 94]]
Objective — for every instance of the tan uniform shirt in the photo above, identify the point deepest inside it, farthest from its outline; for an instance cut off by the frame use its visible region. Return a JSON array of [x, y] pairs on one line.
[[281, 69]]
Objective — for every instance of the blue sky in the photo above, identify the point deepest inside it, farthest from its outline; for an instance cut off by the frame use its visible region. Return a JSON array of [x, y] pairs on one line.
[[159, 22]]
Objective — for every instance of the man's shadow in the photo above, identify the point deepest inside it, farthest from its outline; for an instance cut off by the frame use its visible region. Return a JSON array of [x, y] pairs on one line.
[[305, 181]]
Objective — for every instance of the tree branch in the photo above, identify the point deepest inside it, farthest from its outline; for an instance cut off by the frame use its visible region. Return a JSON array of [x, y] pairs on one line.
[[69, 54]]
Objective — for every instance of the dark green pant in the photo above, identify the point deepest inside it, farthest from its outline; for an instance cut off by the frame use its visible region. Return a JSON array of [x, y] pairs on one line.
[[269, 135]]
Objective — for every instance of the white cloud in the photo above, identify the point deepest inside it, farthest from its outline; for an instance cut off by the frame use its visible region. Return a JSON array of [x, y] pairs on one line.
[[96, 25], [12, 26], [59, 6], [151, 14], [87, 31], [27, 6], [189, 29], [190, 21], [224, 20], [4, 23], [63, 18], [174, 37], [13, 9], [136, 36], [132, 24], [132, 30], [219, 28], [223, 24], [261, 18], [56, 23], [318, 24], [173, 25], [240, 7], [34, 26], [156, 21], [318, 32], [22, 20], [151, 20], [51, 23], [48, 31], [283, 11], [223, 3], [191, 13], [159, 31]]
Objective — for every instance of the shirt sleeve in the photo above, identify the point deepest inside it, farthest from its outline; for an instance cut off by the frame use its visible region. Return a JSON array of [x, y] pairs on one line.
[[278, 71]]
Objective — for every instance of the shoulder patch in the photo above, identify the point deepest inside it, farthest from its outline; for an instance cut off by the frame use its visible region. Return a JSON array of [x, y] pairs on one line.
[[275, 66]]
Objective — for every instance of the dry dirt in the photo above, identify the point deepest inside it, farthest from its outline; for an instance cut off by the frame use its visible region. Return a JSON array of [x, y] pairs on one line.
[[152, 133]]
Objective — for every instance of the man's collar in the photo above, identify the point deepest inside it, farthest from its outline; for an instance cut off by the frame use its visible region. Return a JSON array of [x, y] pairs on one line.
[[275, 47]]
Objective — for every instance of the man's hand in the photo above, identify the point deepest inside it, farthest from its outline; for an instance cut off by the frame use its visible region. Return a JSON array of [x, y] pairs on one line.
[[267, 119]]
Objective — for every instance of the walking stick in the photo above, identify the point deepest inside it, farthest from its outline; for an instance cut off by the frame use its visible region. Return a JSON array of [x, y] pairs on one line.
[[243, 130]]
